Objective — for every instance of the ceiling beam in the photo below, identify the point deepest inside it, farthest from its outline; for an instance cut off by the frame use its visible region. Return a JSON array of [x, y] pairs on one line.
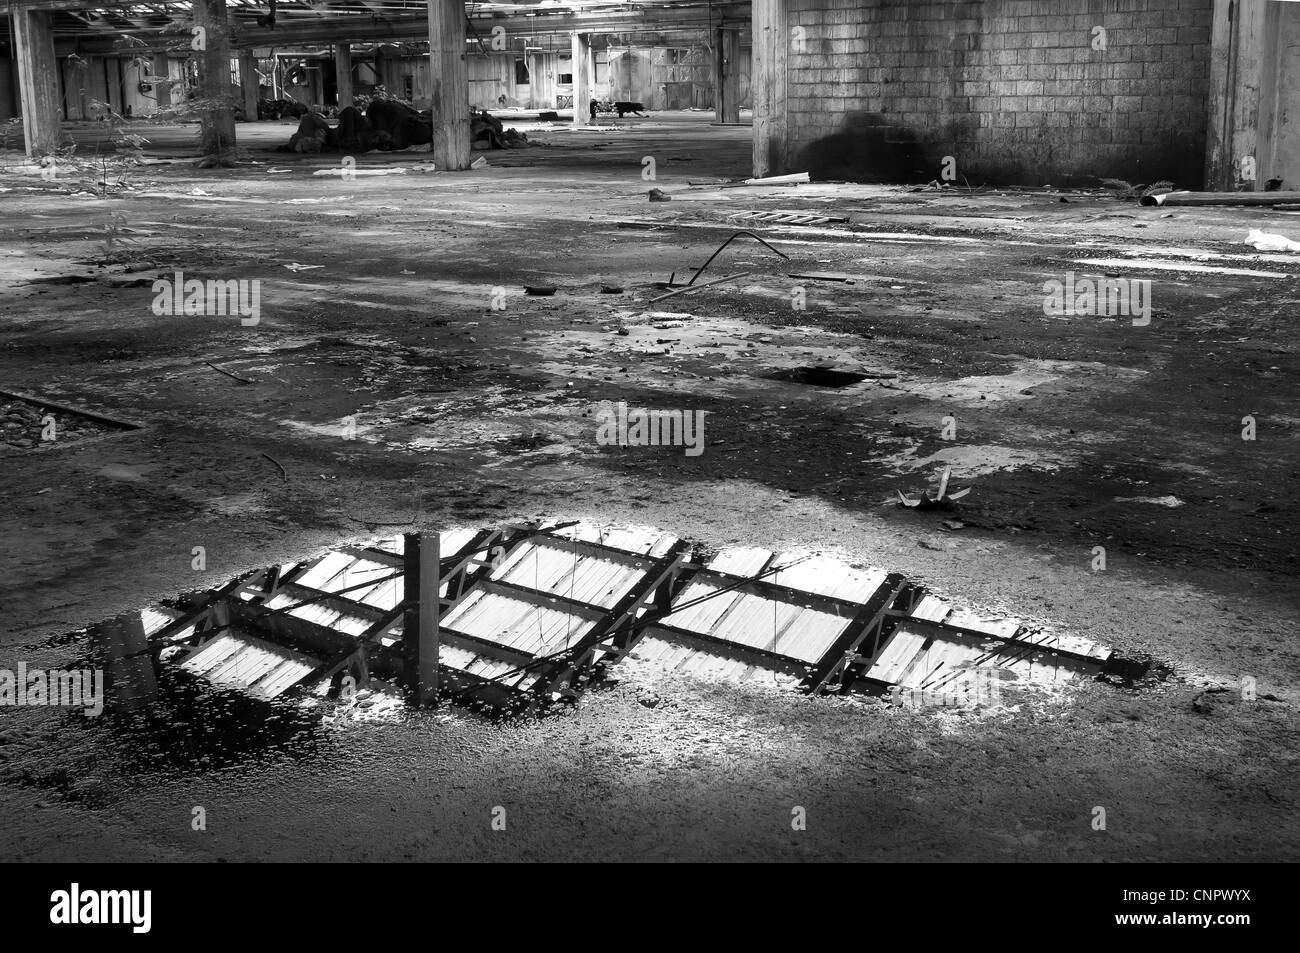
[[365, 24]]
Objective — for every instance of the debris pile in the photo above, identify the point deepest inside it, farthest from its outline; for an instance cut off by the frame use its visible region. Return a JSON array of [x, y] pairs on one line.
[[279, 108], [390, 125], [486, 132], [26, 426]]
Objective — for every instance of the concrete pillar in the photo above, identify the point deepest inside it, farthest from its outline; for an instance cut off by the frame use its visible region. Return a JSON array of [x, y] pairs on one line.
[[128, 664], [581, 79], [38, 81], [343, 73], [248, 82], [162, 84], [772, 40], [726, 75], [449, 82], [217, 123], [9, 104], [420, 632]]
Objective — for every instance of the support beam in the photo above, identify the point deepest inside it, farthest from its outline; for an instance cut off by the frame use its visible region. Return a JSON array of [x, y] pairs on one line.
[[581, 79], [249, 84], [38, 82], [772, 39], [217, 123], [343, 73], [726, 75], [449, 78], [420, 624], [1242, 96]]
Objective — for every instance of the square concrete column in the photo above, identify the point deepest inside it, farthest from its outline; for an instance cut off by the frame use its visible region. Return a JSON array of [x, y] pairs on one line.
[[772, 45], [162, 83], [343, 73], [726, 75], [421, 562], [249, 84], [38, 79], [581, 79], [449, 78], [217, 121]]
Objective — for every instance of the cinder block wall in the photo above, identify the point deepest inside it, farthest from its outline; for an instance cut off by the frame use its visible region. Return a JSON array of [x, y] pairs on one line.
[[1013, 90]]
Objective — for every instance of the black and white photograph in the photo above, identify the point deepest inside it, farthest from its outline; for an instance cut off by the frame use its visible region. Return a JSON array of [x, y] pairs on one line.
[[650, 431]]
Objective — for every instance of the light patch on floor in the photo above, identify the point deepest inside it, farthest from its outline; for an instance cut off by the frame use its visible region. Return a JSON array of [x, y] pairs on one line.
[[124, 473], [1153, 265], [967, 461], [345, 428], [252, 503], [986, 388]]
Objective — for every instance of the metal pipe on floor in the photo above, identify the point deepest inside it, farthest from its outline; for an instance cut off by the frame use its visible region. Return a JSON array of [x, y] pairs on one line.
[[1221, 198]]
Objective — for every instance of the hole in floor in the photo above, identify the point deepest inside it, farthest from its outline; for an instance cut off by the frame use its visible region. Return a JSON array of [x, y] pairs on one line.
[[818, 376]]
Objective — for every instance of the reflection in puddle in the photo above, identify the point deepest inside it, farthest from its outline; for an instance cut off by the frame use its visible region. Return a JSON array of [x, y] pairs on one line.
[[517, 618]]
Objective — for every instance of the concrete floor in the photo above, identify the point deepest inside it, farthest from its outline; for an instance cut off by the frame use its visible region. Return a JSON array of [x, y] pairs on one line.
[[1067, 430]]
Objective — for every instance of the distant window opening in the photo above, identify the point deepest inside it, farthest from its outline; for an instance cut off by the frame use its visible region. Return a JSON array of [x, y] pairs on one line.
[[566, 78], [521, 72], [408, 87]]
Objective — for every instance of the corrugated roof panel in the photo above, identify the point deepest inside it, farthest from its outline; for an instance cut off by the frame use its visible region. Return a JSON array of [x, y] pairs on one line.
[[828, 577], [319, 614], [517, 623], [384, 596], [899, 652], [760, 623], [280, 679], [324, 570], [641, 540], [704, 616], [743, 561], [549, 566], [451, 542], [811, 634], [603, 583], [153, 621], [660, 651], [361, 571], [237, 660], [966, 619], [537, 567], [931, 609], [950, 662]]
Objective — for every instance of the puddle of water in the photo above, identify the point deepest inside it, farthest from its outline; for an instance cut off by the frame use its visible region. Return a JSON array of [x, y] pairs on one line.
[[245, 671]]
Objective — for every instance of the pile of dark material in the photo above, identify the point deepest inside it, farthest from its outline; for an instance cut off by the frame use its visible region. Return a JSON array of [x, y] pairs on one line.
[[279, 108], [388, 125], [619, 106], [485, 132]]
